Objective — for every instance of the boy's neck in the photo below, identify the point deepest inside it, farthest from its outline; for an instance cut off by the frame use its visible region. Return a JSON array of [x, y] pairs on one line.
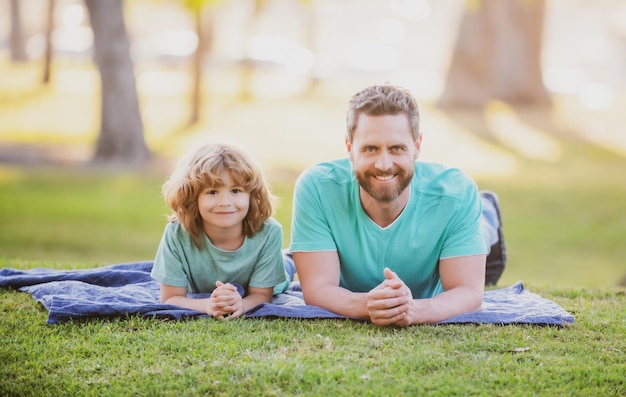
[[226, 239]]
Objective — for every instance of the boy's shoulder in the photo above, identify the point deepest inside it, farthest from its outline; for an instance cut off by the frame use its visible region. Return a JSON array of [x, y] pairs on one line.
[[271, 222], [174, 227]]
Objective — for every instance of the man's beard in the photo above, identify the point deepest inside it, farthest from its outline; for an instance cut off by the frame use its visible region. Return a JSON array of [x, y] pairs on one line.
[[387, 193]]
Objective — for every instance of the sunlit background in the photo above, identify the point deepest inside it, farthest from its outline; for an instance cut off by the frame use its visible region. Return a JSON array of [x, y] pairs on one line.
[[341, 46], [407, 40], [276, 80]]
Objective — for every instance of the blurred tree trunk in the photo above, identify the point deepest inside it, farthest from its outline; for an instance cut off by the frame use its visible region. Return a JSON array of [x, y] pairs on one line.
[[121, 137], [248, 64], [498, 55], [309, 23], [47, 61], [18, 41], [204, 31], [196, 96]]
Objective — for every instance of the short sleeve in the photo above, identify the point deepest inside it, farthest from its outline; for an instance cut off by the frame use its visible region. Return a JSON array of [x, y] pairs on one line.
[[168, 264], [269, 269], [464, 233], [310, 230]]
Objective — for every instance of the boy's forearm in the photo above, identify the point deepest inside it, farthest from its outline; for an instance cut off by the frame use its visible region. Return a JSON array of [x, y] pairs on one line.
[[250, 301], [189, 303]]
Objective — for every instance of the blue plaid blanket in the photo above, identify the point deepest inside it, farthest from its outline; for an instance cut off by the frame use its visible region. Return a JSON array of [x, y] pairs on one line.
[[123, 289]]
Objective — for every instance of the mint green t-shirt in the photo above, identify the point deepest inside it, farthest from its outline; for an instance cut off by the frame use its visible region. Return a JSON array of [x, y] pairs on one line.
[[440, 220], [257, 263]]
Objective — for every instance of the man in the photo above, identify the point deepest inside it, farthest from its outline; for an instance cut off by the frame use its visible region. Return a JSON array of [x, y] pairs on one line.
[[383, 237]]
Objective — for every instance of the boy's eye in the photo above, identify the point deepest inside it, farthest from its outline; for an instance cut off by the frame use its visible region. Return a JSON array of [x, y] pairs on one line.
[[237, 190], [212, 192]]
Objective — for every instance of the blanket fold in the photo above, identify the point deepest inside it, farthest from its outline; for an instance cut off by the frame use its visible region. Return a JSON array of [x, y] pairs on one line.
[[123, 289]]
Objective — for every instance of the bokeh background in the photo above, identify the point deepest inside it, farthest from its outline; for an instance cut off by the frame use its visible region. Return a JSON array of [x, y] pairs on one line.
[[274, 76]]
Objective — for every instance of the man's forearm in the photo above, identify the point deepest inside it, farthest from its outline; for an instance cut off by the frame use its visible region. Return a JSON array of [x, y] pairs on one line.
[[338, 300], [450, 303]]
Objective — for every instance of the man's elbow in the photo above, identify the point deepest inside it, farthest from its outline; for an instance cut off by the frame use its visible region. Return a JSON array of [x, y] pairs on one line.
[[310, 297], [315, 295], [475, 299]]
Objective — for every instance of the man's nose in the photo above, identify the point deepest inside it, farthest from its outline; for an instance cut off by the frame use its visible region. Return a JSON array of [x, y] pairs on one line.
[[383, 162]]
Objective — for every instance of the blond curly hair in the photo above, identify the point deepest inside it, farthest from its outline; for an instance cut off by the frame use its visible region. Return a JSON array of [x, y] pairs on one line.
[[201, 169]]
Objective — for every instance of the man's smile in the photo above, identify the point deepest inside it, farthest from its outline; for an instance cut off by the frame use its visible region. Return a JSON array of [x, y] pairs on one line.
[[384, 177]]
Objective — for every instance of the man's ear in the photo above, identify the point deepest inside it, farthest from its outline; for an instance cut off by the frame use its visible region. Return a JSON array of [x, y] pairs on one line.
[[348, 145], [418, 146]]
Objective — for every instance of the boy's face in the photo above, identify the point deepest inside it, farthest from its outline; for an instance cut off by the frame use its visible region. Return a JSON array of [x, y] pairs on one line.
[[223, 208]]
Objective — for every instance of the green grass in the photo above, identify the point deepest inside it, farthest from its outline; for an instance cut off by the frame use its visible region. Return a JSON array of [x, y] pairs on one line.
[[261, 357], [565, 224]]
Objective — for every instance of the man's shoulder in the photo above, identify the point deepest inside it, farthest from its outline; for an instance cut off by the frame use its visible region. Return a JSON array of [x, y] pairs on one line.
[[338, 171], [434, 170], [441, 180]]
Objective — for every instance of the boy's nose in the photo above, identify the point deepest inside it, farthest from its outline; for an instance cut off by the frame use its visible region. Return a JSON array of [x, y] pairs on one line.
[[224, 201]]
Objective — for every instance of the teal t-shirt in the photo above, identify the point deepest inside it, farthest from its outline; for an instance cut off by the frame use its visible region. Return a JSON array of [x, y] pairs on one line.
[[440, 220], [257, 263]]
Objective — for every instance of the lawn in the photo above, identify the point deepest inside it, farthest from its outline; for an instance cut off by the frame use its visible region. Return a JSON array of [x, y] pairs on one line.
[[262, 357], [565, 226]]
